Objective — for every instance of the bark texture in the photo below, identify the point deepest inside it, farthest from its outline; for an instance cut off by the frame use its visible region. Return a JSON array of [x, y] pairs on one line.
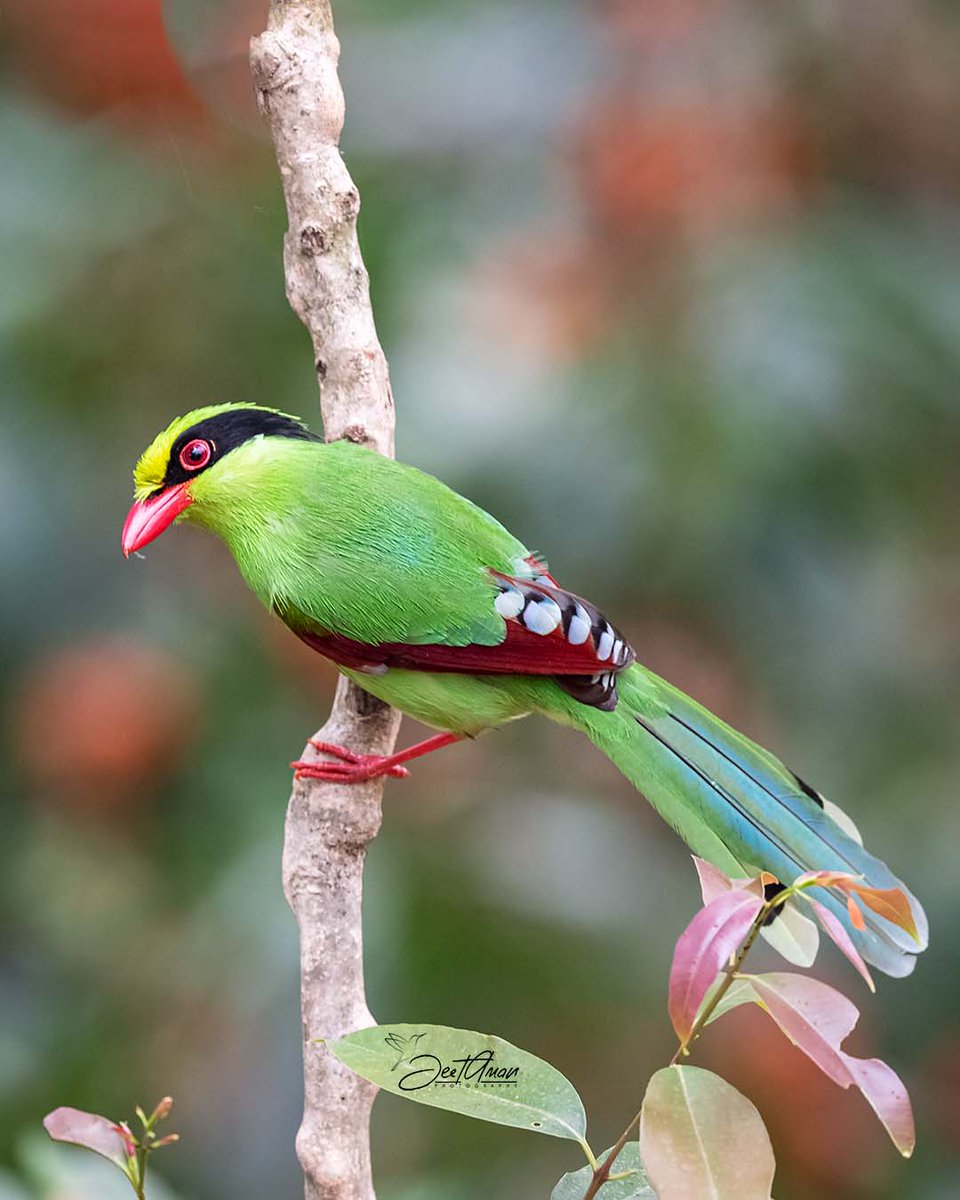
[[328, 826]]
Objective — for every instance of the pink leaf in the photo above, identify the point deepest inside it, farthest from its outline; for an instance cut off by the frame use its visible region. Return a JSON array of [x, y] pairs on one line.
[[89, 1130], [817, 1018], [841, 938], [714, 883], [712, 936], [813, 1015], [888, 1098]]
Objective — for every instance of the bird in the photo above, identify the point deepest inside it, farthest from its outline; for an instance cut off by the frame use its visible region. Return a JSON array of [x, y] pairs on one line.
[[429, 603]]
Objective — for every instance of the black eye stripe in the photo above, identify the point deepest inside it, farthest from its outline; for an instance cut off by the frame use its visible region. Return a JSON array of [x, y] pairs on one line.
[[227, 430]]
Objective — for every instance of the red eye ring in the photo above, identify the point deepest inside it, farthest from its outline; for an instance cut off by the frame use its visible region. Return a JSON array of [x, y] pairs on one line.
[[196, 454]]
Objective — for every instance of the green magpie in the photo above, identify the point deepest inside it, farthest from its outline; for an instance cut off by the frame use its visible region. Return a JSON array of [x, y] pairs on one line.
[[429, 603]]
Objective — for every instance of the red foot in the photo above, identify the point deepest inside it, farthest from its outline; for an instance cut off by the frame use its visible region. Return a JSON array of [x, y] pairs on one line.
[[355, 768], [352, 768]]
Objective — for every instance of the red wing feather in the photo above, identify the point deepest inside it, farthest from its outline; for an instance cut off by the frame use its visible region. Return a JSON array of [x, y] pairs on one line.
[[520, 653], [549, 631]]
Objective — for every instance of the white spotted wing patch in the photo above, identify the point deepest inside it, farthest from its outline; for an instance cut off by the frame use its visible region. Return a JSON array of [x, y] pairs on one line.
[[509, 603], [605, 645], [541, 616], [543, 608], [578, 628]]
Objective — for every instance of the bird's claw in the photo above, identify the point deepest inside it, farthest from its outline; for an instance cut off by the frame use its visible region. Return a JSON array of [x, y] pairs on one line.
[[351, 767]]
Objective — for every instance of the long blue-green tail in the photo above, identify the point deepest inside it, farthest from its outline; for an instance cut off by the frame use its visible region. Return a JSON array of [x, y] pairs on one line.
[[738, 806]]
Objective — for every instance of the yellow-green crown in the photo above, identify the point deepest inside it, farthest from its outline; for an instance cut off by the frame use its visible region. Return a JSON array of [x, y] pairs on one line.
[[151, 469]]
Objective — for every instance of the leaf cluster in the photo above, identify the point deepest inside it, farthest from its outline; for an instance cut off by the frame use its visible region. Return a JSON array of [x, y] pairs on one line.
[[694, 1134]]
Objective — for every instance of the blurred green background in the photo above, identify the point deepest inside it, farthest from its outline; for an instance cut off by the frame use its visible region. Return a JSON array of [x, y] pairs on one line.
[[673, 288]]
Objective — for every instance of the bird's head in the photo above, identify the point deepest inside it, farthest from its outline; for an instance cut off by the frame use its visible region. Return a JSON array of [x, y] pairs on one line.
[[192, 458]]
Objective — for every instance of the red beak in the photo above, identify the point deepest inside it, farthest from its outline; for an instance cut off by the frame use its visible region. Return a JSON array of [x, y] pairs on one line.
[[147, 519]]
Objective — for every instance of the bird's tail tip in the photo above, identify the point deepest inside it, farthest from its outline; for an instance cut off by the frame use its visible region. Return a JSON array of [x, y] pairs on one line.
[[740, 807]]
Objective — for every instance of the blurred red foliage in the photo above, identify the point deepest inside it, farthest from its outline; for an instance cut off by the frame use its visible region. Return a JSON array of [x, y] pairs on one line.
[[102, 56], [655, 23], [544, 293], [941, 1086], [650, 170], [681, 141], [96, 723]]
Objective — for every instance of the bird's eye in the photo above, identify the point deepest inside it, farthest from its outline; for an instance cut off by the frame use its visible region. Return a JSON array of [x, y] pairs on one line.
[[195, 454]]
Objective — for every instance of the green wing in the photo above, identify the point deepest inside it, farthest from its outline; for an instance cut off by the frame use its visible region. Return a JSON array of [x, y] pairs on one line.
[[381, 552]]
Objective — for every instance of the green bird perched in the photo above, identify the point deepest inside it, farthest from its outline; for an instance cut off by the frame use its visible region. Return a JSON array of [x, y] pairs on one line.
[[426, 601]]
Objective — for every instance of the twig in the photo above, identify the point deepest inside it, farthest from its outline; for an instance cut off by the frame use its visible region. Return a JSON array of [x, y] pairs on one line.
[[602, 1172], [328, 827], [730, 973]]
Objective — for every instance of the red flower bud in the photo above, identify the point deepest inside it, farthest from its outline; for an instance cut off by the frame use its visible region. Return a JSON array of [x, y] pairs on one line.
[[129, 1141]]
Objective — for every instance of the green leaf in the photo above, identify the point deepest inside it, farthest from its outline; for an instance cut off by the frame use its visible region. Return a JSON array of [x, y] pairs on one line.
[[794, 935], [700, 1138], [739, 992], [475, 1074], [635, 1187]]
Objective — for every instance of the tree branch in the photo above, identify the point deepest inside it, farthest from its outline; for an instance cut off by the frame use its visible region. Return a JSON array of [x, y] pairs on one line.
[[328, 827]]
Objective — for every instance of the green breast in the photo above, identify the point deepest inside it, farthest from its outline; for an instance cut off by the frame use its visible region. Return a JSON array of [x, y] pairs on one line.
[[342, 540]]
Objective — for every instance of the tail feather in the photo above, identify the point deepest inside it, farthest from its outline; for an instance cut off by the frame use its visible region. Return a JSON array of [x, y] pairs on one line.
[[737, 805]]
